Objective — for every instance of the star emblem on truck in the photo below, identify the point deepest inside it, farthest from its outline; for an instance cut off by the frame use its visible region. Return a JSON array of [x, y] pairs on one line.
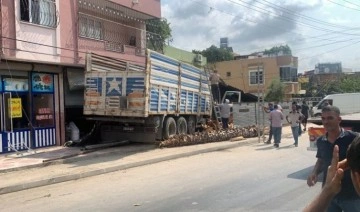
[[113, 85]]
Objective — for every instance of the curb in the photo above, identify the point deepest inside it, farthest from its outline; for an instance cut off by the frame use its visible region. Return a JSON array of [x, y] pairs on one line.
[[64, 178]]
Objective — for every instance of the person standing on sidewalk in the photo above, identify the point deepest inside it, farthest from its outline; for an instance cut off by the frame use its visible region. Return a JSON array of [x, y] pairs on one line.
[[295, 118], [276, 117], [268, 110], [225, 112], [347, 199], [305, 112]]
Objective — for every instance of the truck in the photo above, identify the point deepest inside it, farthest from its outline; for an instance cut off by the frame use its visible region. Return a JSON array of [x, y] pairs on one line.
[[347, 103], [145, 102]]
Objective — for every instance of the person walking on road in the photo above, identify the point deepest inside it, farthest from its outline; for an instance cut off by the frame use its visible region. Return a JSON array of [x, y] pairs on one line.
[[268, 110], [305, 112], [335, 175], [225, 112], [276, 117], [214, 80], [347, 199], [294, 118]]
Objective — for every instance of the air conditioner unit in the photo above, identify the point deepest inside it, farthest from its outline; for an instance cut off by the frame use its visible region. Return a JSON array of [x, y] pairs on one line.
[[135, 1], [198, 58]]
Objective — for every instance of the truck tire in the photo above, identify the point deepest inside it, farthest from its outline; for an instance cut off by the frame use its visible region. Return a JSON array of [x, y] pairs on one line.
[[181, 125], [191, 125], [169, 127]]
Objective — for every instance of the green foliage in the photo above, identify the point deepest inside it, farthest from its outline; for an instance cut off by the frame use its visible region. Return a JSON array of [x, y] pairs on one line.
[[349, 84], [275, 92], [345, 84], [158, 32], [277, 49], [215, 54]]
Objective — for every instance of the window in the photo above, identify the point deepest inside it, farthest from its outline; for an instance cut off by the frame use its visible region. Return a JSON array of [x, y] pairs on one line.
[[17, 110], [256, 77], [228, 74], [90, 28], [43, 110], [42, 12], [288, 74]]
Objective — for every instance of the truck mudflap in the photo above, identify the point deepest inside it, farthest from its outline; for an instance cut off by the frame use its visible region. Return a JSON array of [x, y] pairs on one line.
[[315, 133]]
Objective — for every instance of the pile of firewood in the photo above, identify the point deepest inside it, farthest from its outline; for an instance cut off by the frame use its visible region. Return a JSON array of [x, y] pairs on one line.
[[210, 133]]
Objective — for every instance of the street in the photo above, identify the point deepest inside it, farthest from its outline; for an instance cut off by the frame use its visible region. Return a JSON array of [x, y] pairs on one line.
[[249, 178]]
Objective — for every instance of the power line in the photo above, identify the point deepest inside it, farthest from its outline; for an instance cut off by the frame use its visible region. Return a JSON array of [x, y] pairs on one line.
[[292, 12], [318, 37], [330, 51], [285, 18], [327, 44], [352, 3], [343, 5], [50, 46]]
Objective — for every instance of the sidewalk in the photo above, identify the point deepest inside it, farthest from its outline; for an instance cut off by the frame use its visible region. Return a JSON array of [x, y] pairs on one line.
[[60, 164]]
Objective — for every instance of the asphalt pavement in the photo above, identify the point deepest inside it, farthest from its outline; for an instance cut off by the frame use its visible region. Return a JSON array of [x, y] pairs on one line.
[[60, 164]]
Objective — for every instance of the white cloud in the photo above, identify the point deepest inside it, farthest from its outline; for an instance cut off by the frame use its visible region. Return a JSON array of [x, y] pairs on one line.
[[198, 24]]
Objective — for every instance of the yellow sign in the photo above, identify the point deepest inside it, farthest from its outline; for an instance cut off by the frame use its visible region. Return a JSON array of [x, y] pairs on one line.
[[15, 109]]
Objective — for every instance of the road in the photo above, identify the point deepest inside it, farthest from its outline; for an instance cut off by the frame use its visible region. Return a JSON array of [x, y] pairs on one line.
[[248, 178]]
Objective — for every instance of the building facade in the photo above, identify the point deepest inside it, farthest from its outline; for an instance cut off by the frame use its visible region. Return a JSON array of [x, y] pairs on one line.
[[185, 56], [43, 48], [254, 74]]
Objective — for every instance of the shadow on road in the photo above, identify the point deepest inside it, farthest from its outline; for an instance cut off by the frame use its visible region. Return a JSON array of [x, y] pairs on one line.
[[303, 174], [271, 146]]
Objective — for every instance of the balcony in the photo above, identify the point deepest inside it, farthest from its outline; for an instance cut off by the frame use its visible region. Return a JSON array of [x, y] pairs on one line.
[[109, 29]]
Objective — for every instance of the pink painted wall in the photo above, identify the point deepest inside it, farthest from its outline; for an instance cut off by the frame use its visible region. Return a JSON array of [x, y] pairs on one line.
[[8, 28], [75, 46]]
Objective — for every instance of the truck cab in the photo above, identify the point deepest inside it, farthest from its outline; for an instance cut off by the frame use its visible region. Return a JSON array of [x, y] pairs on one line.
[[233, 96]]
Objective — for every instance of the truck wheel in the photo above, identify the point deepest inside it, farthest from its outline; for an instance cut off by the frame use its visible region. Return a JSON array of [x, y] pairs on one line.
[[191, 125], [169, 127], [181, 126]]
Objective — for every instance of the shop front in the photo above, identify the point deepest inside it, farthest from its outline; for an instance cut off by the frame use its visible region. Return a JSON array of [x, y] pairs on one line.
[[28, 111]]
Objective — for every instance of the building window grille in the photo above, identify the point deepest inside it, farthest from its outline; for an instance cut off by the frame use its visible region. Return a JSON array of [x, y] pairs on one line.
[[256, 77], [41, 12], [90, 28]]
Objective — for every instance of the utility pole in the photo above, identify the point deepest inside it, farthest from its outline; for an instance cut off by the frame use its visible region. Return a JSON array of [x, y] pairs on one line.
[[258, 103], [1, 35]]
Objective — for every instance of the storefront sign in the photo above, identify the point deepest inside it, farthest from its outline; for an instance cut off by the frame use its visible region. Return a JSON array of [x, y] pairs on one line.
[[13, 84], [42, 83], [15, 108], [44, 114]]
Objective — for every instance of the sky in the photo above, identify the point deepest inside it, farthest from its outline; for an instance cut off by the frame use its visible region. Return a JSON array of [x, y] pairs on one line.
[[317, 31]]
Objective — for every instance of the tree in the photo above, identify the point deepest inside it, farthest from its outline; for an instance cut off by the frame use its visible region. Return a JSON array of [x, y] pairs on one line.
[[349, 84], [275, 92], [277, 50], [158, 31], [215, 54], [345, 84]]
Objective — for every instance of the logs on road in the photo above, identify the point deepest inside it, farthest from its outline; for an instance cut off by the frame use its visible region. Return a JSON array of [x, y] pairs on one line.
[[210, 133]]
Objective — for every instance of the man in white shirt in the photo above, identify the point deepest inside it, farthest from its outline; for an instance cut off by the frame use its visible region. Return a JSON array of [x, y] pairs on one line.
[[225, 112], [294, 118]]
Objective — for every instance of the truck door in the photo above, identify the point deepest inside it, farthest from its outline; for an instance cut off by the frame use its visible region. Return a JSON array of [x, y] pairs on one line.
[[233, 96]]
